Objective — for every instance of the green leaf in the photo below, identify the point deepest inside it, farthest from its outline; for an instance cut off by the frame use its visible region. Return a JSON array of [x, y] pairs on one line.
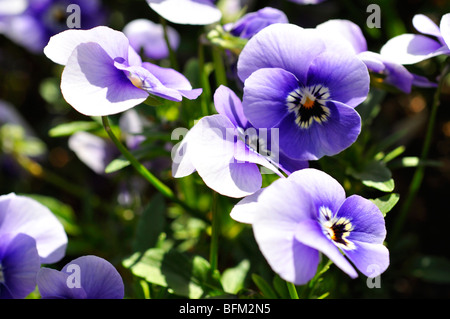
[[386, 202], [280, 287], [185, 275], [266, 290], [432, 269], [63, 212], [116, 165], [233, 278], [150, 225], [67, 129], [374, 174]]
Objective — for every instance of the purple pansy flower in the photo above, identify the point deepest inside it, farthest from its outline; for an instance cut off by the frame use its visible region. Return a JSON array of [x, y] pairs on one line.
[[225, 149], [196, 12], [149, 36], [103, 74], [394, 73], [30, 235], [33, 27], [412, 48], [87, 277], [297, 218], [253, 22], [307, 87]]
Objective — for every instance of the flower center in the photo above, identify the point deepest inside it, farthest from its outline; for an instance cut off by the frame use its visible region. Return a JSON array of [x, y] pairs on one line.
[[308, 104], [336, 228], [136, 80]]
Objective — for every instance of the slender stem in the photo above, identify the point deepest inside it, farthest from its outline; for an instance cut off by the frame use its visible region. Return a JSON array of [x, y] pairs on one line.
[[292, 290], [219, 67], [144, 172], [419, 173], [205, 97], [215, 232], [172, 56]]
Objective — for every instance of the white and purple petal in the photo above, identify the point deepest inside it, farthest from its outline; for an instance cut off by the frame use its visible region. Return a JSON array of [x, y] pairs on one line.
[[195, 12], [94, 86], [19, 214], [412, 48], [60, 47]]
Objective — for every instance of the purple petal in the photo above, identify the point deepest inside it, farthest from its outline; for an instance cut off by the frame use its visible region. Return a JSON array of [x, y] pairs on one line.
[[149, 36], [99, 278], [411, 48], [246, 210], [173, 80], [395, 74], [19, 214], [196, 12], [253, 22], [372, 61], [147, 81], [310, 233], [53, 284], [265, 94], [445, 29], [366, 218], [229, 105], [92, 85], [345, 76], [370, 259], [421, 81], [181, 153], [19, 264], [290, 165], [60, 47], [329, 138], [94, 151], [26, 31], [346, 29], [425, 25], [281, 45], [291, 260]]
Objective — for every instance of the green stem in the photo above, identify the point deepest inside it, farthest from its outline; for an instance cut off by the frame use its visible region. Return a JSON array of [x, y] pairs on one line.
[[219, 67], [419, 173], [205, 97], [144, 172], [292, 290], [172, 56], [215, 232]]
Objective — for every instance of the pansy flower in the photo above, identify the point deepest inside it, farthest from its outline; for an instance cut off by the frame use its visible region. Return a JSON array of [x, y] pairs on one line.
[[148, 36], [225, 150], [196, 12], [411, 48], [86, 277], [304, 85], [393, 73], [297, 218], [41, 19], [30, 235], [103, 74], [253, 22]]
